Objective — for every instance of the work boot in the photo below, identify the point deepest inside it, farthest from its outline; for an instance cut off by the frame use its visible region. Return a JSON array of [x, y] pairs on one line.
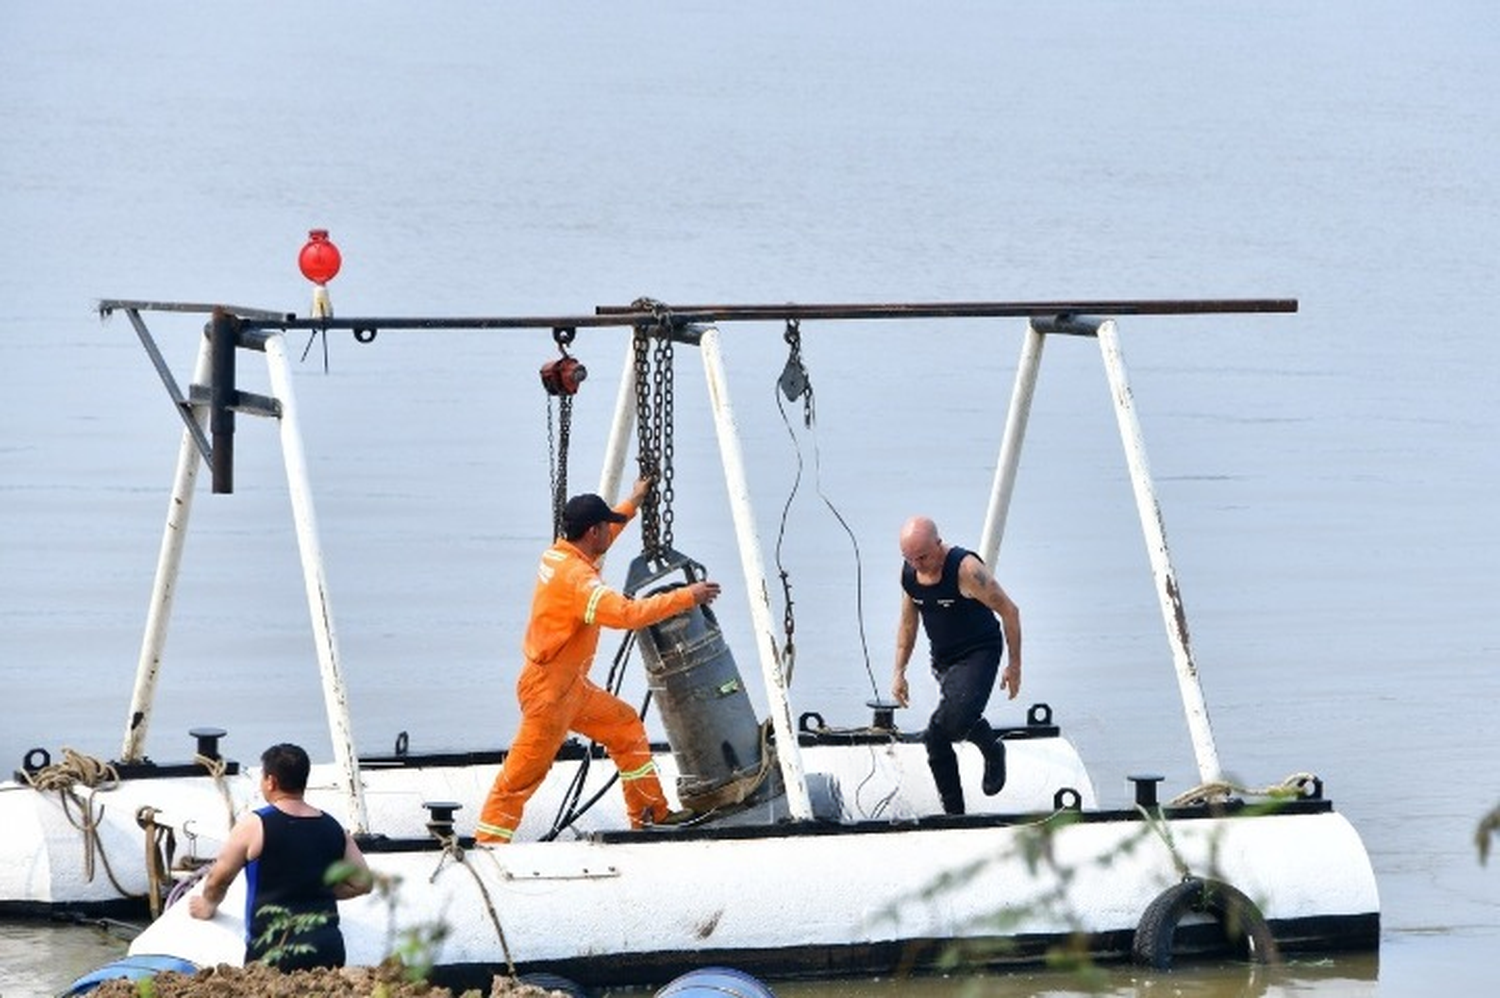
[[681, 816], [953, 800], [994, 769]]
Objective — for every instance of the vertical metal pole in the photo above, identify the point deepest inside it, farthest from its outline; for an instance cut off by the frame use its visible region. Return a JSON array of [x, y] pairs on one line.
[[335, 694], [1154, 530], [619, 430], [221, 397], [168, 564], [1010, 445], [788, 752]]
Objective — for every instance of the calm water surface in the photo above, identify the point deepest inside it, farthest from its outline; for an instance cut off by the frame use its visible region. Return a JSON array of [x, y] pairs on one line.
[[1329, 479]]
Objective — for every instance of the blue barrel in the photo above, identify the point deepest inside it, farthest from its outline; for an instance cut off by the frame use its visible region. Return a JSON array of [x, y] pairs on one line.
[[132, 968], [715, 982]]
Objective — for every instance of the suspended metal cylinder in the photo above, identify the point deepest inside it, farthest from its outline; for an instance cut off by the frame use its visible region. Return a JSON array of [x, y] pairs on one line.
[[722, 757]]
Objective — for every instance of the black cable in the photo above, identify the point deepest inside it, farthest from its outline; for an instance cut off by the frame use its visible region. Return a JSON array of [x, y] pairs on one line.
[[818, 485]]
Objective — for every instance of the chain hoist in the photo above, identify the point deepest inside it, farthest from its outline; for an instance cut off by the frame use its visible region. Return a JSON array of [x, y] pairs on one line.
[[794, 382], [654, 417], [561, 378]]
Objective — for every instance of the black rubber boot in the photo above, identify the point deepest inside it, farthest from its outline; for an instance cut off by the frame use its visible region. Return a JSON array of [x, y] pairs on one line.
[[944, 764], [994, 768], [953, 799]]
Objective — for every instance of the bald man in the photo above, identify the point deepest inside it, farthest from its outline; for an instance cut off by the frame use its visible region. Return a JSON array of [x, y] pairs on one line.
[[958, 601]]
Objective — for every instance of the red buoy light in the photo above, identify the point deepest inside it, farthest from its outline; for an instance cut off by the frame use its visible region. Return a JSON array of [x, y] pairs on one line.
[[319, 259]]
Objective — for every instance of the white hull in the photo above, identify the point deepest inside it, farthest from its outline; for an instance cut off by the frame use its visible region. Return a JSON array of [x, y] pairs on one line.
[[44, 856], [809, 899]]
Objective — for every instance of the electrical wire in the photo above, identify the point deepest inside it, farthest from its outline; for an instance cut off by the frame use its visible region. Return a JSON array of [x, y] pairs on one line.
[[809, 420]]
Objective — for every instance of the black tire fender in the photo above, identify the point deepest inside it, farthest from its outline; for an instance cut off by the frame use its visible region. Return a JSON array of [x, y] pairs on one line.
[[1241, 921]]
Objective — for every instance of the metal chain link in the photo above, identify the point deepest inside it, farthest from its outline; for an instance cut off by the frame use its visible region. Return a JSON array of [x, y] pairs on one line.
[[795, 382], [552, 468], [653, 408], [557, 457], [664, 380], [558, 438], [646, 441]]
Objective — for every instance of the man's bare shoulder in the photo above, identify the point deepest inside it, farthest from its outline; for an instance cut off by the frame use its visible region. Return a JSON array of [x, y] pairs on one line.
[[973, 568]]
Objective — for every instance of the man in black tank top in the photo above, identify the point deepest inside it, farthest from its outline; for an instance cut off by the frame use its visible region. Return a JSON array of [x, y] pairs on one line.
[[957, 600], [285, 849]]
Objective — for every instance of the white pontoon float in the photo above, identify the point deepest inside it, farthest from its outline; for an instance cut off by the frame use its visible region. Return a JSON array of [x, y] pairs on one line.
[[826, 852]]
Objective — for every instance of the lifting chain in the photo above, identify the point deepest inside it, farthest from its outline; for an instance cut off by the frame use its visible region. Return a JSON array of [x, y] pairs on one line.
[[557, 455], [560, 379], [794, 384], [654, 408]]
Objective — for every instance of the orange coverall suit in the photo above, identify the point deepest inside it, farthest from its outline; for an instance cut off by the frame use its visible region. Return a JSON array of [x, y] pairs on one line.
[[569, 606]]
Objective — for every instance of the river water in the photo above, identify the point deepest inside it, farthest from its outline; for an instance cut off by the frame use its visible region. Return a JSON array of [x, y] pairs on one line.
[[1329, 479]]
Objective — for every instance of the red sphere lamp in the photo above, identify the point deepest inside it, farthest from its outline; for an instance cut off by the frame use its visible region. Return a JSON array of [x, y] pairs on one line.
[[320, 261]]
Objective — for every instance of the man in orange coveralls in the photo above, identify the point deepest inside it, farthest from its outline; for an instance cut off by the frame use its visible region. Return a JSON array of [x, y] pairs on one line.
[[569, 606]]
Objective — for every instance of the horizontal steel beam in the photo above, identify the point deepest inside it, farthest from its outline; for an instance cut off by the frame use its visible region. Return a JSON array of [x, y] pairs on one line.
[[107, 306], [633, 315], [380, 324], [969, 309]]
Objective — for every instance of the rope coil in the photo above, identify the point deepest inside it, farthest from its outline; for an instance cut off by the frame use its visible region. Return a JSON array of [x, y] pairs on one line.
[[1294, 785], [75, 769], [94, 775]]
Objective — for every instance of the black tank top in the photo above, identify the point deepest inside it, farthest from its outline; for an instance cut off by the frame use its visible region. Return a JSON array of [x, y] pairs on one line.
[[955, 624], [294, 856]]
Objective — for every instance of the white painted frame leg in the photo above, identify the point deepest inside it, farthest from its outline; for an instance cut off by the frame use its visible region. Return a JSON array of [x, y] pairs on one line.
[[788, 752], [335, 691], [168, 566], [1155, 533], [1009, 461]]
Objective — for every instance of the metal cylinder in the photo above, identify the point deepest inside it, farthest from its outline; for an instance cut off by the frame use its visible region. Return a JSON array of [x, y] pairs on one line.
[[710, 722]]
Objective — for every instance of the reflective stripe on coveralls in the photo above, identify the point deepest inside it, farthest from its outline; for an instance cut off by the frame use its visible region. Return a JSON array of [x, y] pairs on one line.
[[569, 606]]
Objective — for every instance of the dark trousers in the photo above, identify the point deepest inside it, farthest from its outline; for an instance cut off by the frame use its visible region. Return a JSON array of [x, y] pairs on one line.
[[964, 687]]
